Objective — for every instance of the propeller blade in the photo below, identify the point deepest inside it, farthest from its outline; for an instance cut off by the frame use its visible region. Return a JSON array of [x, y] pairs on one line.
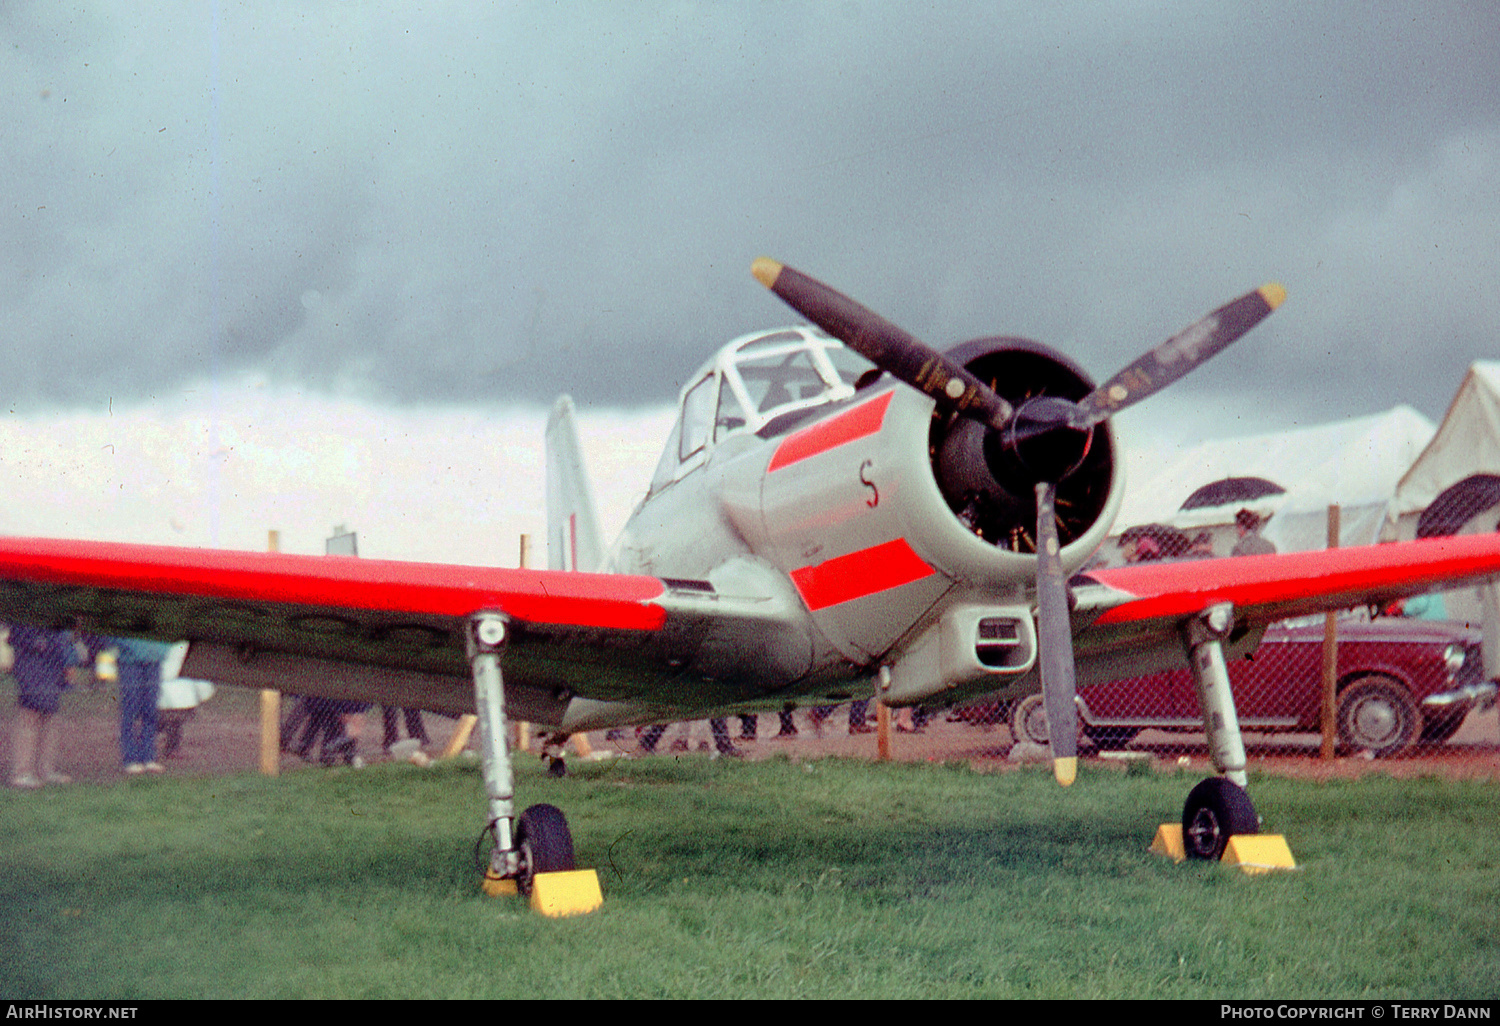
[[1055, 639], [884, 344], [1178, 355]]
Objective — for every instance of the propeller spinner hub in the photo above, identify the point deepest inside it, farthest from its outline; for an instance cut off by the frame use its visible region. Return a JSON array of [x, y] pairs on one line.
[[1043, 439]]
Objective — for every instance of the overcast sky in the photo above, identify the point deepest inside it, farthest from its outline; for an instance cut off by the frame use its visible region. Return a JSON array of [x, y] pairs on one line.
[[442, 215]]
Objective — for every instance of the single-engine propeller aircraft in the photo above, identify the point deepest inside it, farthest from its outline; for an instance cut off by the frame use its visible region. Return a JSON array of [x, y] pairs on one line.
[[841, 511]]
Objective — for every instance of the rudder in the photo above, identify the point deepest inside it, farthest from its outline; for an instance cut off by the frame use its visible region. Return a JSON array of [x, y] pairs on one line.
[[572, 522]]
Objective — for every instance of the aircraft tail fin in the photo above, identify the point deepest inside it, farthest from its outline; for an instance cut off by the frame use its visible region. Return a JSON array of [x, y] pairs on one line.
[[573, 541]]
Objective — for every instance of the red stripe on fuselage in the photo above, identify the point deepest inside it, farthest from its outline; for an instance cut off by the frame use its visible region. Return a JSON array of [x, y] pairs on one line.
[[860, 422], [859, 574]]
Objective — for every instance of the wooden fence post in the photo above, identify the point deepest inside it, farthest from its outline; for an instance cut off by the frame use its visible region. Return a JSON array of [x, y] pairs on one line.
[[270, 705], [1331, 655]]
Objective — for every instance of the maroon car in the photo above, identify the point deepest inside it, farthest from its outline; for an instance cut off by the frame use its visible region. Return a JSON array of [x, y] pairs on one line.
[[1400, 682]]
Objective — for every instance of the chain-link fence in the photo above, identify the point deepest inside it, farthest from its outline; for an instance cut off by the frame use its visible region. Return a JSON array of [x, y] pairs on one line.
[[1385, 724], [1410, 696], [1404, 691]]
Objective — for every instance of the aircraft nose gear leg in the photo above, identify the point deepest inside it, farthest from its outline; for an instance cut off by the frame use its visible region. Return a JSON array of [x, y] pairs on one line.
[[1217, 808], [540, 842]]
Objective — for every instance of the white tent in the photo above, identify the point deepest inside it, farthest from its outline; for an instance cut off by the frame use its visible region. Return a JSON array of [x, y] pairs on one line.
[[1355, 463], [1465, 444], [1449, 475]]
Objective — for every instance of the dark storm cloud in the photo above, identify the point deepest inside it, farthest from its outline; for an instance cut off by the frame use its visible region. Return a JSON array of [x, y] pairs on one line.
[[462, 203]]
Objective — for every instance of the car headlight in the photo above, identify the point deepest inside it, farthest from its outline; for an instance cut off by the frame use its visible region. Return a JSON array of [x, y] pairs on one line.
[[1454, 656]]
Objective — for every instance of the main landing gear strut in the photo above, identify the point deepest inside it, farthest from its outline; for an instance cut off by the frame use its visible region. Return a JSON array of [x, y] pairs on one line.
[[1218, 808], [539, 842]]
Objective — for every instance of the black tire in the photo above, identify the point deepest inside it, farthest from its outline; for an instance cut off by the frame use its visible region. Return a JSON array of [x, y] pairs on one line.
[[1111, 739], [1377, 714], [545, 844], [1028, 721], [1216, 810]]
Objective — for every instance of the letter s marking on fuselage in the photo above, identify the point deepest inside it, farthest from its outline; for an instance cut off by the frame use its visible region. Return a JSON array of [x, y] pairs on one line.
[[874, 499]]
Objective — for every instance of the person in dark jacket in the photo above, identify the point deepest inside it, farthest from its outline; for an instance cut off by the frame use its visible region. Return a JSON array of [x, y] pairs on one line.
[[40, 661]]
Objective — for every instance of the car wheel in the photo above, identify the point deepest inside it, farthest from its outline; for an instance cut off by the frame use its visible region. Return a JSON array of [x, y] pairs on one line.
[[1376, 714], [1028, 721], [1215, 811]]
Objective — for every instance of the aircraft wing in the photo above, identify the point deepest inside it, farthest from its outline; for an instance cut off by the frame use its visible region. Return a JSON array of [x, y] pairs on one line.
[[1128, 619], [393, 632], [375, 630]]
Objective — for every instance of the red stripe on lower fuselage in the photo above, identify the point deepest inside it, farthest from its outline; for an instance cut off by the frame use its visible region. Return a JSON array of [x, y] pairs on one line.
[[860, 422], [859, 574]]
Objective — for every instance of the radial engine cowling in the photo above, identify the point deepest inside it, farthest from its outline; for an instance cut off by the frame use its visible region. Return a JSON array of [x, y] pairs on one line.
[[988, 477]]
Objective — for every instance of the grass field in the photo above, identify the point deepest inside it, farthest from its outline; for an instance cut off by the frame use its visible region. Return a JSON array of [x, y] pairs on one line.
[[777, 879]]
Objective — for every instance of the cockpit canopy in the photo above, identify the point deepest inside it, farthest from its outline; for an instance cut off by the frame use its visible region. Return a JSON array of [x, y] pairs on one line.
[[752, 381]]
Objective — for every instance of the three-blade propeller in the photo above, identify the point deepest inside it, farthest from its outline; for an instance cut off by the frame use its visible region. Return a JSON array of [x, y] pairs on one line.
[[1049, 435]]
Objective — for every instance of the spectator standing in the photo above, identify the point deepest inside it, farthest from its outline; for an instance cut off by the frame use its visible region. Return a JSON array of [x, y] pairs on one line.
[[336, 725], [39, 662], [138, 663], [415, 728], [1252, 543]]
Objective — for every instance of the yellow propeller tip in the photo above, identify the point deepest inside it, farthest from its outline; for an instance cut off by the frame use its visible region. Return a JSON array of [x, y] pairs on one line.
[[1273, 294], [1065, 770], [766, 271]]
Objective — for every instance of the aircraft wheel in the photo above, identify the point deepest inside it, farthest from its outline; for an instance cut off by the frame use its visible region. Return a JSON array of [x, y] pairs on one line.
[[1376, 714], [1028, 721], [1216, 810], [545, 844]]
